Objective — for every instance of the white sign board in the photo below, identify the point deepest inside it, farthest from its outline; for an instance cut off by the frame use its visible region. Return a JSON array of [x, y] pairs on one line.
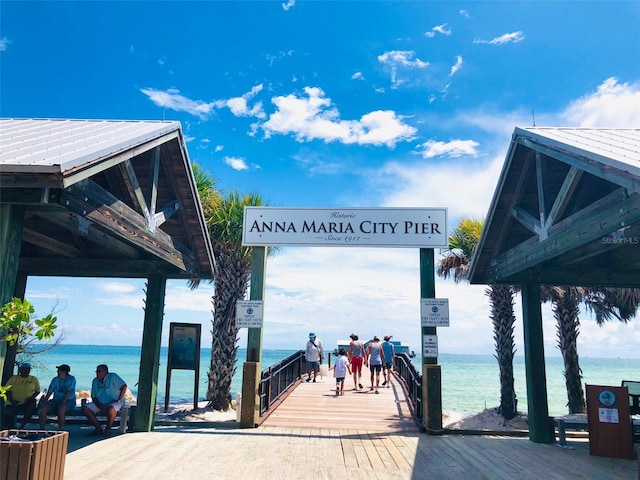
[[434, 312], [430, 346], [249, 313], [345, 227], [608, 415]]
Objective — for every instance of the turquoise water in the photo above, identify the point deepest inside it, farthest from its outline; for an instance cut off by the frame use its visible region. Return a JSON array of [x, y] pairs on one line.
[[470, 383]]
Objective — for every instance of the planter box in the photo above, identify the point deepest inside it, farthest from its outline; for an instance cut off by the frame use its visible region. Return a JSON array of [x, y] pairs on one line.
[[37, 459]]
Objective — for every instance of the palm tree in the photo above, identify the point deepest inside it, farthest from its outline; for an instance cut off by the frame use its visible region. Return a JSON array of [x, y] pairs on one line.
[[456, 263], [232, 270], [231, 277], [566, 301], [606, 303]]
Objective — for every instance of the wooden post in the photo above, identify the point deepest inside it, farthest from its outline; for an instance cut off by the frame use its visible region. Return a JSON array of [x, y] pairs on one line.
[[11, 219], [250, 403], [150, 354], [431, 377], [541, 428]]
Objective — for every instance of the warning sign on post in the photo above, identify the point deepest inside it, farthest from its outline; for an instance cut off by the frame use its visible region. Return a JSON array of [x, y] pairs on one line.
[[434, 312], [430, 346], [249, 313]]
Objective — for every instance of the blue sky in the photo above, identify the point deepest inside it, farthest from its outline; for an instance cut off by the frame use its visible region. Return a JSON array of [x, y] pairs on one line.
[[309, 103]]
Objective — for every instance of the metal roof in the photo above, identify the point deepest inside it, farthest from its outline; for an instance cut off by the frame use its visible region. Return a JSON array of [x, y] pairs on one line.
[[118, 192], [616, 147]]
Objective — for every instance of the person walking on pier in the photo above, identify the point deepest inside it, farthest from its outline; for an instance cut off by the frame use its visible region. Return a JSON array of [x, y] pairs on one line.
[[376, 360], [314, 354], [389, 355], [356, 357], [340, 369]]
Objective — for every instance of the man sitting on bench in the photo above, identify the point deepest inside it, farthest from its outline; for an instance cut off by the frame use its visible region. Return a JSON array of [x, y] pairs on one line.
[[63, 389], [107, 396]]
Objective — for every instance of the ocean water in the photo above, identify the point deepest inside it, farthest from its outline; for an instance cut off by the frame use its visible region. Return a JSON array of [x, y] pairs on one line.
[[470, 383]]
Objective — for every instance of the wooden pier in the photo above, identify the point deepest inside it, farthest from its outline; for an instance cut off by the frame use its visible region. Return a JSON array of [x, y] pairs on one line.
[[315, 434]]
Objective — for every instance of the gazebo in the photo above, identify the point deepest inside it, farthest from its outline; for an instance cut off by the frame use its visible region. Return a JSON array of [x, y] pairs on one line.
[[566, 211], [100, 198]]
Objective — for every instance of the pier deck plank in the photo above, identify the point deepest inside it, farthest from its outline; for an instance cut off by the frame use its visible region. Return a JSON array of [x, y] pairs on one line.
[[315, 435]]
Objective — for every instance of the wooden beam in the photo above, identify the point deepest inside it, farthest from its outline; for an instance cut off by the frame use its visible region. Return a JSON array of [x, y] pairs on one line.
[[540, 426], [150, 353], [168, 211], [93, 202], [595, 221], [89, 267], [564, 195], [133, 187], [541, 174], [529, 221], [94, 168], [601, 170], [50, 244]]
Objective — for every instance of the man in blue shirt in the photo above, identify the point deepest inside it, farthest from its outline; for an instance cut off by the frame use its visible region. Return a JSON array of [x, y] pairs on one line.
[[63, 390], [107, 396]]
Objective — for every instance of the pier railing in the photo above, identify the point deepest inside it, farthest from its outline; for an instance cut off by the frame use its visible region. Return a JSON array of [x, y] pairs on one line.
[[413, 382], [278, 378]]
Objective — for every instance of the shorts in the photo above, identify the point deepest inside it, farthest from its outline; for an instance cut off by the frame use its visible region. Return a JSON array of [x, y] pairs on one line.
[[53, 404], [387, 365], [94, 408], [315, 366], [356, 364], [339, 380], [375, 368]]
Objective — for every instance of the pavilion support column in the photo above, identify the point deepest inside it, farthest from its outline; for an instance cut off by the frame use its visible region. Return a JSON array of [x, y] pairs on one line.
[[250, 405], [541, 428], [11, 220], [431, 375], [150, 354]]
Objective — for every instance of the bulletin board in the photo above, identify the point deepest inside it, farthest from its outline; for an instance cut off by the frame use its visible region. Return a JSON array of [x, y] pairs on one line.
[[184, 354]]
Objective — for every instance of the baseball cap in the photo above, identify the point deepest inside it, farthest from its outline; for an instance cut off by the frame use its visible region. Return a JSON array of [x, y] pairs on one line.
[[64, 367], [312, 335], [353, 336], [25, 365], [387, 337]]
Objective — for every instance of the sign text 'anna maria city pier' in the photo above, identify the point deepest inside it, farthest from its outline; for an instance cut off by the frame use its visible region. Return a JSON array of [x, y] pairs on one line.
[[345, 227]]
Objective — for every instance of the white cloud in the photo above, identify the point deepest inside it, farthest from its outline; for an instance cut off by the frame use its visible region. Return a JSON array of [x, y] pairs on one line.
[[613, 104], [236, 163], [457, 66], [116, 287], [172, 99], [443, 29], [454, 148], [465, 14], [239, 105], [219, 148], [513, 37], [357, 76], [4, 44], [313, 117], [398, 61], [288, 5]]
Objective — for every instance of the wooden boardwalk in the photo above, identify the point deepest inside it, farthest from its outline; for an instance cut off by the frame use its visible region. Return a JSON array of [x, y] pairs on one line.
[[316, 435], [316, 405]]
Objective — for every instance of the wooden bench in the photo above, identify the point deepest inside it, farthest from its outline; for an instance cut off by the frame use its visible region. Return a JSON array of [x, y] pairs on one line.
[[76, 416], [578, 422]]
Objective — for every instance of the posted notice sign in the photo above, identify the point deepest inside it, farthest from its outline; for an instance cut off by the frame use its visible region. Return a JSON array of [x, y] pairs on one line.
[[249, 313], [430, 346], [434, 312]]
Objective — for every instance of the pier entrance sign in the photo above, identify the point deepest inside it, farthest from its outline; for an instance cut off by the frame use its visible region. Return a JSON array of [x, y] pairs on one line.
[[422, 228], [345, 227]]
